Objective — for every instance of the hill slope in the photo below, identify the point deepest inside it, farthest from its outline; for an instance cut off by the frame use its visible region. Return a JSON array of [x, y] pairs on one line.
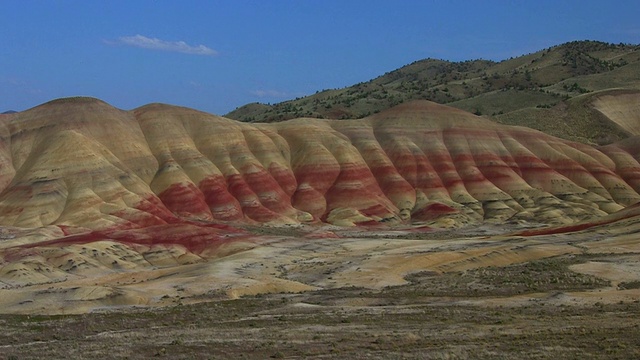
[[103, 207], [418, 162], [550, 83]]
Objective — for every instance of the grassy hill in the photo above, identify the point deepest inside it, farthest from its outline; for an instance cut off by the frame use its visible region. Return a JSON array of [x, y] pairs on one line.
[[550, 90]]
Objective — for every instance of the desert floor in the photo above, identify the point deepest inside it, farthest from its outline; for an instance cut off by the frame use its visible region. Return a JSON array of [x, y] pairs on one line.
[[481, 292]]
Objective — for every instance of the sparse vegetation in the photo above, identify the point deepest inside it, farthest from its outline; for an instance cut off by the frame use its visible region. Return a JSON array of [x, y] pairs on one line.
[[545, 275], [411, 321], [503, 89]]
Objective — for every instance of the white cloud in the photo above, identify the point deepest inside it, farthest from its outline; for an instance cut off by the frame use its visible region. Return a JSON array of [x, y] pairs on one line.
[[163, 45], [269, 93], [18, 85]]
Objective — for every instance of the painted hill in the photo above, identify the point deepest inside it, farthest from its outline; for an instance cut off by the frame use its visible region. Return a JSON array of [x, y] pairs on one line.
[[81, 164], [555, 90], [102, 207]]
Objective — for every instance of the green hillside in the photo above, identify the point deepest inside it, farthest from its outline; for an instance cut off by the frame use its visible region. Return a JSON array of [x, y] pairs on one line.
[[537, 90]]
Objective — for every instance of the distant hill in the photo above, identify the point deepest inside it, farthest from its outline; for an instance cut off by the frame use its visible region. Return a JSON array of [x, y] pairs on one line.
[[9, 112], [552, 90]]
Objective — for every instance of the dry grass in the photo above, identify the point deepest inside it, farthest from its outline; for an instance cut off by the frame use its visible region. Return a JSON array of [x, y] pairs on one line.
[[509, 90]]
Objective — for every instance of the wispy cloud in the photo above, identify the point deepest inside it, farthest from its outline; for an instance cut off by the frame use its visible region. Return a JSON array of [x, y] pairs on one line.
[[195, 85], [18, 85], [144, 42], [628, 31], [269, 93]]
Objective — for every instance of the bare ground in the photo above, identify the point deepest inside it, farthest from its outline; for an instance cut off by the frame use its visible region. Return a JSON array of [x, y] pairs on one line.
[[391, 295]]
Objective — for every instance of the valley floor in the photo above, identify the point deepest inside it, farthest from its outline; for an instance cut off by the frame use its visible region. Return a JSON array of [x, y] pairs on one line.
[[386, 294], [325, 325]]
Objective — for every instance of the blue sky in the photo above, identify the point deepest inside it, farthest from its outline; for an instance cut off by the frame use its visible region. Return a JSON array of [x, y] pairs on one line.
[[217, 55]]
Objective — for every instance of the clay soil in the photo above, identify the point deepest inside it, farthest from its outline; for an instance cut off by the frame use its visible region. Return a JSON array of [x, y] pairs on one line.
[[490, 296]]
